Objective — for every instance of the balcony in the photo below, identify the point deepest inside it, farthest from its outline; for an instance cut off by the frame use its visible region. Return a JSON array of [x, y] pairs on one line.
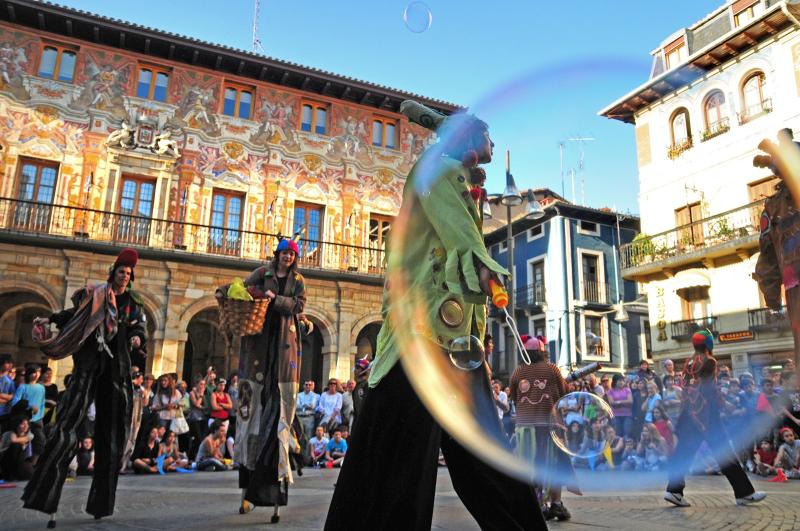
[[678, 148], [729, 233], [530, 297], [683, 330], [764, 319], [715, 129], [757, 110], [593, 292], [62, 224]]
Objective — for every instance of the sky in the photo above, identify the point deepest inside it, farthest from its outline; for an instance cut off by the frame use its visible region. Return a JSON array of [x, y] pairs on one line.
[[538, 72]]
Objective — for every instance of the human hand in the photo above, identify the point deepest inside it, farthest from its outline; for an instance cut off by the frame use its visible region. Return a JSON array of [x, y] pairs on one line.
[[270, 294]]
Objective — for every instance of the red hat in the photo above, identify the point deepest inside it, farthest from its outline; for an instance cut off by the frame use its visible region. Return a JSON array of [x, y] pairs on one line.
[[128, 257], [530, 343], [288, 245]]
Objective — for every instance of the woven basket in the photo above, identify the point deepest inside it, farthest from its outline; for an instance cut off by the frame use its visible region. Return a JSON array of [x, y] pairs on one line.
[[242, 318]]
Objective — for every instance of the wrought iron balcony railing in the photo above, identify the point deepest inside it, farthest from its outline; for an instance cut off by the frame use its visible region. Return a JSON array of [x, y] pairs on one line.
[[530, 296], [82, 224], [676, 150], [685, 329], [702, 234], [595, 292], [751, 112], [766, 319], [716, 128]]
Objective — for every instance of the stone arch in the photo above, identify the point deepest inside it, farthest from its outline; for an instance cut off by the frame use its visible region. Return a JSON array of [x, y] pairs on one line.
[[324, 322], [10, 285], [317, 347], [203, 303], [363, 321], [154, 309], [20, 303]]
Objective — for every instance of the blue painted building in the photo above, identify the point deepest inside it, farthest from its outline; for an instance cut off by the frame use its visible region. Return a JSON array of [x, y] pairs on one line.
[[568, 286]]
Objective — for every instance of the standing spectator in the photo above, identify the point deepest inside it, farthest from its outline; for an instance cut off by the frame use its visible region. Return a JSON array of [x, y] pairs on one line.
[[329, 407], [594, 387], [647, 373], [621, 400], [185, 408], [500, 399], [671, 398], [7, 386], [336, 449], [146, 453], [50, 396], [15, 451], [605, 383], [209, 455], [317, 446], [166, 401], [788, 457], [653, 399], [137, 378], [221, 403], [639, 391], [347, 403], [85, 457], [769, 408], [148, 417], [197, 418], [306, 406], [232, 388], [18, 375], [669, 370], [33, 392]]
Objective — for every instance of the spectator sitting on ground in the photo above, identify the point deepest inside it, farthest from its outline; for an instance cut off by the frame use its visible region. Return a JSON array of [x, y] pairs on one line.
[[317, 446], [15, 451], [33, 393], [616, 444], [654, 448], [765, 457], [209, 455], [665, 428], [86, 457], [788, 457], [631, 460], [169, 448], [345, 432], [145, 455], [337, 448]]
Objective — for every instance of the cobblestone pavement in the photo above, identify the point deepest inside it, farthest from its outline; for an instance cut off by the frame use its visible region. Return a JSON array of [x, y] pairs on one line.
[[210, 501]]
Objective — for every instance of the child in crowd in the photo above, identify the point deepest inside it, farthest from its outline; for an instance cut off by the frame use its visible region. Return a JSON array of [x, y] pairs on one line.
[[765, 458], [317, 445], [664, 426], [631, 460], [86, 457], [788, 457], [336, 449]]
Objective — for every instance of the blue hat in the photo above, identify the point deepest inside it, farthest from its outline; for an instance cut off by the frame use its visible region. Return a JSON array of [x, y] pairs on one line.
[[703, 337]]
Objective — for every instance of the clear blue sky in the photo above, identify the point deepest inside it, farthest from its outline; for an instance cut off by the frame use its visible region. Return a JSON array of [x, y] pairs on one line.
[[538, 71]]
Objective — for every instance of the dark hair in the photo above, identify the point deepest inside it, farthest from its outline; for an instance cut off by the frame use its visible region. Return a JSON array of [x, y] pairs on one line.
[[113, 271], [487, 338], [5, 358], [29, 372], [614, 379], [215, 426]]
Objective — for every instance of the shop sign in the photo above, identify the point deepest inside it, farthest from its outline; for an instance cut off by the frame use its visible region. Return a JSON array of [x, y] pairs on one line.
[[733, 337]]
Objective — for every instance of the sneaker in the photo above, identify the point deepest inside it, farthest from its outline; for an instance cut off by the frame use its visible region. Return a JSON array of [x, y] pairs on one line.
[[676, 499], [558, 511], [753, 498]]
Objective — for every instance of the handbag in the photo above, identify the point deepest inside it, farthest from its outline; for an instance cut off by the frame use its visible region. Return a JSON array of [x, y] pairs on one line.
[[179, 425]]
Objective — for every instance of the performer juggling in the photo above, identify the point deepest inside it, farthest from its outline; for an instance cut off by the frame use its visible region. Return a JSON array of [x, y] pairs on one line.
[[390, 470], [699, 421], [106, 322]]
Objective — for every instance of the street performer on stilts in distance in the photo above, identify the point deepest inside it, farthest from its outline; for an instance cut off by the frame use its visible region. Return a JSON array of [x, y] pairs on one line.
[[105, 324]]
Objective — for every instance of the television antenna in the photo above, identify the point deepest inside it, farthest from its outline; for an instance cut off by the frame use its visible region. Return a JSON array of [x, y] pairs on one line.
[[581, 140], [256, 46]]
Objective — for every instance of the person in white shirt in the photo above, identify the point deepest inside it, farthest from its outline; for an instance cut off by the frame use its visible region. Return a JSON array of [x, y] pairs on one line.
[[306, 406], [330, 406], [317, 446], [500, 399]]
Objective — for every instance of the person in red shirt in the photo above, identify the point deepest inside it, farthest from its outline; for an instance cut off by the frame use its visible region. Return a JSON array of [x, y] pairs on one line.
[[765, 456]]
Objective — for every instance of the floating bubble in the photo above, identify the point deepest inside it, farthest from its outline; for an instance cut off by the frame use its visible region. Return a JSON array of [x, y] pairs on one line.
[[467, 352], [578, 426], [417, 17]]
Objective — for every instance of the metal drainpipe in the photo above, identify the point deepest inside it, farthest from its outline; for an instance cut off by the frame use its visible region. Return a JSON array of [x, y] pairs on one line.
[[620, 298], [565, 337], [338, 325]]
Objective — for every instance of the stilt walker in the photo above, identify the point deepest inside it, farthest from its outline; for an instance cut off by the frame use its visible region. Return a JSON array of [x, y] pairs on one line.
[[106, 322]]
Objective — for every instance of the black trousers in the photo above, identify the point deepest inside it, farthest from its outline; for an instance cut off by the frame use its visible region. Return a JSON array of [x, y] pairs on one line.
[[689, 440], [107, 381], [388, 479]]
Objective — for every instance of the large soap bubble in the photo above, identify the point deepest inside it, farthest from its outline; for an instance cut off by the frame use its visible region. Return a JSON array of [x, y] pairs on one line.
[[417, 17]]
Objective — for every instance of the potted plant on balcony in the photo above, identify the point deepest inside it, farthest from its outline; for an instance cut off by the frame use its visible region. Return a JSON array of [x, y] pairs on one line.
[[642, 250], [722, 232]]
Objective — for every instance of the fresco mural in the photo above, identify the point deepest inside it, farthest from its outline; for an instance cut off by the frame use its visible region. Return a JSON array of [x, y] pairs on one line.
[[196, 94], [277, 120], [105, 79]]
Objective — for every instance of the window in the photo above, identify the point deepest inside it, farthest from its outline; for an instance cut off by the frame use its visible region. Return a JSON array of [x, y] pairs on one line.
[[384, 132], [743, 11], [539, 327], [308, 218], [226, 223], [314, 118], [680, 127], [588, 227], [675, 53], [152, 83], [378, 235], [593, 278], [57, 63], [696, 304], [238, 101], [536, 295], [754, 100], [690, 215], [763, 188], [535, 232], [37, 184], [502, 246], [714, 110], [135, 208], [594, 335], [645, 340]]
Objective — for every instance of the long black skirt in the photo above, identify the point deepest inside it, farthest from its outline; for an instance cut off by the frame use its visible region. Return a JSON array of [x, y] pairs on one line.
[[389, 474]]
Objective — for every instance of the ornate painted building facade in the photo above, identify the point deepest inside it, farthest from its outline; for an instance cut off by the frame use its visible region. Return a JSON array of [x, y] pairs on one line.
[[199, 156]]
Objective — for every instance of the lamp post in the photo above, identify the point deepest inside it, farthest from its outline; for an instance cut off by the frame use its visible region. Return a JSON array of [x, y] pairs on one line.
[[511, 198]]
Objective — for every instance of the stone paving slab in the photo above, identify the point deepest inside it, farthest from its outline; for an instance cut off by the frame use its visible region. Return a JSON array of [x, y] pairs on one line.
[[210, 501]]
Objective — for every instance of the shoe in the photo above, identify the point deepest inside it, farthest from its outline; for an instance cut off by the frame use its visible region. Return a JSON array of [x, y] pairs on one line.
[[558, 511], [676, 499], [753, 498]]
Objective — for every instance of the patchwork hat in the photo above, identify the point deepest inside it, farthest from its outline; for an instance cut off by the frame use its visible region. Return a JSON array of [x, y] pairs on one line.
[[703, 337]]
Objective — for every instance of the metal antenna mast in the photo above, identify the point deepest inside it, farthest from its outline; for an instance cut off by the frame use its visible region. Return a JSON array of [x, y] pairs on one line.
[[561, 154], [580, 140], [256, 41]]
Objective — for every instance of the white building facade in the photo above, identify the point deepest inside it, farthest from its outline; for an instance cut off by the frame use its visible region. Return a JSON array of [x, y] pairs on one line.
[[717, 88]]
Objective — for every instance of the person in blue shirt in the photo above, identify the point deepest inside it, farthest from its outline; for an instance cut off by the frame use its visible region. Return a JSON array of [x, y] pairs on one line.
[[7, 387], [33, 392], [307, 402], [337, 448]]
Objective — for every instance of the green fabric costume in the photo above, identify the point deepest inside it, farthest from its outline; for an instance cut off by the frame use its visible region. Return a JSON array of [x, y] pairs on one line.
[[440, 257]]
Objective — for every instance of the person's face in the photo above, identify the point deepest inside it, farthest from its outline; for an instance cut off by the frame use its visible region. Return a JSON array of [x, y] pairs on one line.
[[351, 385], [161, 431], [337, 436], [7, 366], [23, 427], [333, 386], [629, 445], [620, 383], [484, 149], [320, 432], [201, 386], [221, 387], [311, 385], [182, 387], [47, 376], [171, 437], [122, 275], [307, 387], [788, 437], [644, 365], [657, 415], [733, 387], [668, 383], [669, 366], [489, 346], [35, 378], [768, 386], [87, 443], [789, 366], [163, 381], [605, 382], [610, 432], [640, 385], [148, 381], [766, 446], [496, 387], [747, 385], [575, 427], [154, 434], [138, 380], [223, 431], [286, 258], [652, 388]]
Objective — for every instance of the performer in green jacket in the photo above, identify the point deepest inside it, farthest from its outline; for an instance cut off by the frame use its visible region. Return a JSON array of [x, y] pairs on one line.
[[389, 474]]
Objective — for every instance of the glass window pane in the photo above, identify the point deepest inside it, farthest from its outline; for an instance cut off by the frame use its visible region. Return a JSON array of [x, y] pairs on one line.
[[160, 92], [143, 86], [28, 182], [67, 67], [244, 104], [313, 225], [299, 219], [229, 106], [377, 133], [305, 122], [48, 177], [321, 124], [47, 65], [146, 192], [390, 136]]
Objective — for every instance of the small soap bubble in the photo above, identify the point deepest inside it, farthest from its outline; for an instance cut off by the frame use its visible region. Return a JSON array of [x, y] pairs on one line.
[[417, 17], [467, 352]]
